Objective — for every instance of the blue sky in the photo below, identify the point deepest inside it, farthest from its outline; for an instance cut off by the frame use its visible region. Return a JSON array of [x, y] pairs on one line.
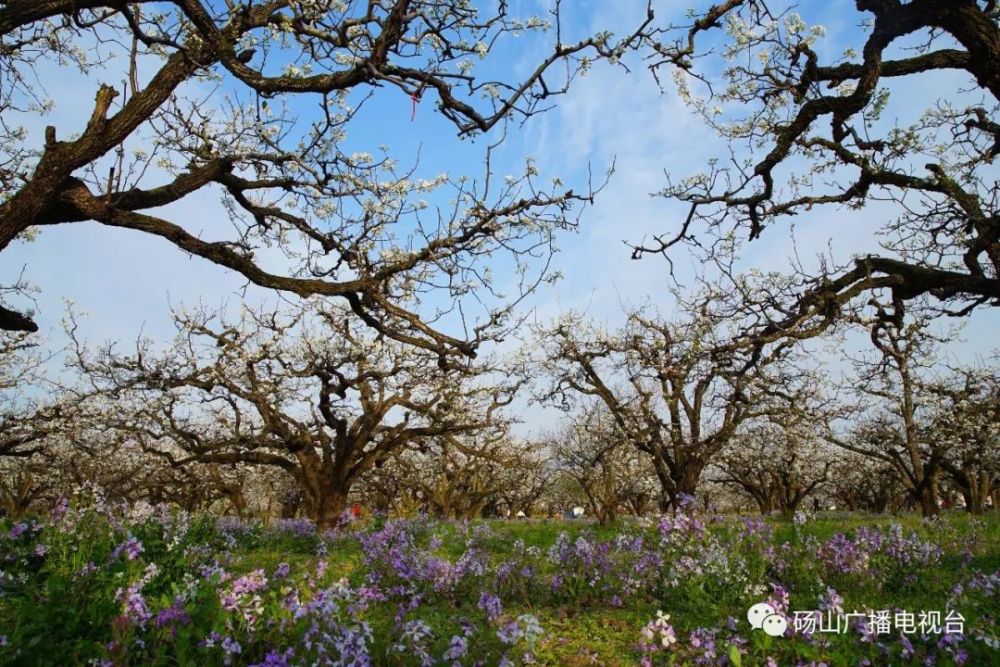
[[127, 281]]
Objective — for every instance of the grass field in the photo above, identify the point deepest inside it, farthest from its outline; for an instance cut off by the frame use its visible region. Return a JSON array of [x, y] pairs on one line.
[[145, 586]]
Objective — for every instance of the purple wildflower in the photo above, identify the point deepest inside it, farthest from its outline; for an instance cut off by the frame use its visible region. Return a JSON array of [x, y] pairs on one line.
[[491, 604], [135, 609], [274, 658], [130, 547], [250, 583], [457, 649], [172, 615], [231, 646]]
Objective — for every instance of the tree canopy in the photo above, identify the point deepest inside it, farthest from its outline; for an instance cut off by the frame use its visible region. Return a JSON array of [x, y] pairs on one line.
[[805, 130], [287, 80]]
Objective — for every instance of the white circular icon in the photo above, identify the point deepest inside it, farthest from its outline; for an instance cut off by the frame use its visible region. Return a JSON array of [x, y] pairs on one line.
[[775, 625], [758, 613]]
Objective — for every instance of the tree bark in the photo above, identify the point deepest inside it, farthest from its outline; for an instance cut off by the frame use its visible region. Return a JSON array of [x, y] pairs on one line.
[[684, 480], [329, 507], [926, 498]]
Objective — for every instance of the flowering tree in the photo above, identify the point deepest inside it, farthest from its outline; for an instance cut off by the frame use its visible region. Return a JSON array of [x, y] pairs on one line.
[[443, 481], [892, 395], [20, 488], [86, 451], [25, 419], [288, 78], [862, 483], [54, 439], [967, 419], [677, 390], [309, 392], [612, 474], [523, 482], [806, 130], [778, 466], [503, 475]]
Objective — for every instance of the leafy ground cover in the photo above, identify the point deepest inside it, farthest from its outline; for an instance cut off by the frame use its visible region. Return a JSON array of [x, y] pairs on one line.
[[93, 584]]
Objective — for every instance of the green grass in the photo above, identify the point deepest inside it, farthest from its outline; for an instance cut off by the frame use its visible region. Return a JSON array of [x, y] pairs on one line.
[[595, 634], [581, 627]]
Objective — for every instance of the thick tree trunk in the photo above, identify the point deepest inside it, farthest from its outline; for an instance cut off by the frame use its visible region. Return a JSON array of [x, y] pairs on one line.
[[976, 491], [329, 507], [325, 486], [927, 500], [664, 502], [685, 477], [639, 503], [666, 498], [603, 512], [476, 511], [687, 482], [17, 495], [290, 506], [605, 515], [238, 503], [880, 501], [789, 507], [973, 501]]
